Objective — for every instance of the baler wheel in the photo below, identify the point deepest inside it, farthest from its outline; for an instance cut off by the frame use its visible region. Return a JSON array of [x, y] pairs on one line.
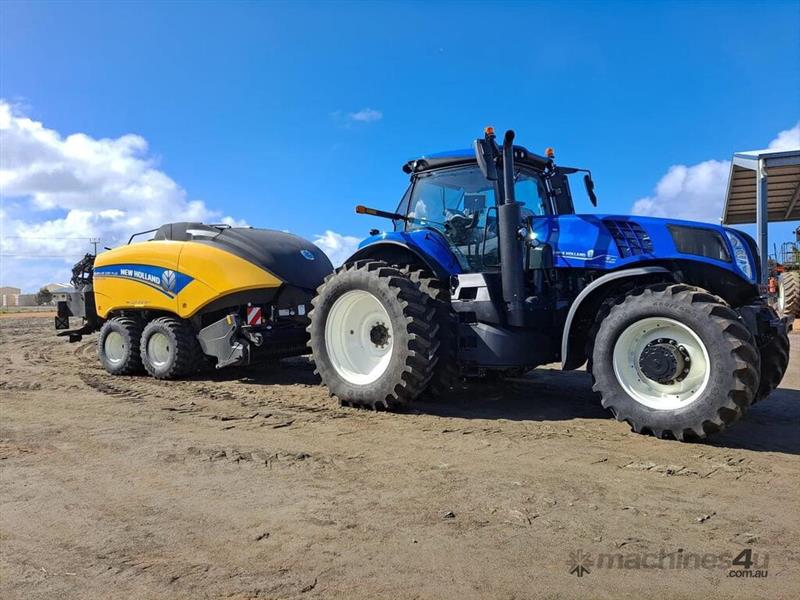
[[170, 348], [118, 345]]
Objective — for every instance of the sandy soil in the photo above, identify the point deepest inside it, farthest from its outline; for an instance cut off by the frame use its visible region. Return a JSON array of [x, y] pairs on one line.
[[254, 484], [24, 314]]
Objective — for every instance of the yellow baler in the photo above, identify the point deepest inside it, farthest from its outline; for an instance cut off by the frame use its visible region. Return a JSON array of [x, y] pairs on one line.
[[196, 294]]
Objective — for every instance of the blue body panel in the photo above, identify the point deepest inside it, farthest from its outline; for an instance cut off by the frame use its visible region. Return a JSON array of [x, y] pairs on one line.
[[578, 242], [427, 243]]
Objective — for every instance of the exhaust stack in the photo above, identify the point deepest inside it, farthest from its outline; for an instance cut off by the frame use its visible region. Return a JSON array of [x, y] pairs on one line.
[[509, 218]]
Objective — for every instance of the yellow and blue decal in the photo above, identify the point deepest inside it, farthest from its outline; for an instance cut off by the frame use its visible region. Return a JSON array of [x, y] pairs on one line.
[[166, 281]]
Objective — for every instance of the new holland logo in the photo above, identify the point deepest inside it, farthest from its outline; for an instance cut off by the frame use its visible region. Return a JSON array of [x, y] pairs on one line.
[[168, 280], [307, 254]]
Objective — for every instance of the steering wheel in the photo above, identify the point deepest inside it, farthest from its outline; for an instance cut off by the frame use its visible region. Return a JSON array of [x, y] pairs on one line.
[[458, 225]]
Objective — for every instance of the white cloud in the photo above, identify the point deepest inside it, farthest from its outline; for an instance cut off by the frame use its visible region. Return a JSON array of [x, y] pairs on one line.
[[366, 115], [788, 139], [59, 191], [697, 192], [338, 247]]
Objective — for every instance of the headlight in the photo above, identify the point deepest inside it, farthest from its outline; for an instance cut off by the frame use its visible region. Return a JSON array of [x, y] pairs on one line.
[[740, 254]]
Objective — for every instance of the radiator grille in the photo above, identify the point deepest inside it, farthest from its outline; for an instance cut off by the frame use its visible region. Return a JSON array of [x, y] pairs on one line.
[[630, 238]]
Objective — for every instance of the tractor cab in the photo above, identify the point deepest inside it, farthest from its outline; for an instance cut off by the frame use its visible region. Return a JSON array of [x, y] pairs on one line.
[[450, 194]]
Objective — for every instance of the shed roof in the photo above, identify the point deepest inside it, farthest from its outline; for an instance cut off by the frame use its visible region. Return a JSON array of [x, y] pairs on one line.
[[783, 186]]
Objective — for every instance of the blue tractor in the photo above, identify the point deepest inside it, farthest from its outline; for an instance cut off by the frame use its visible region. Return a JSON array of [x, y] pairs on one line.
[[489, 271]]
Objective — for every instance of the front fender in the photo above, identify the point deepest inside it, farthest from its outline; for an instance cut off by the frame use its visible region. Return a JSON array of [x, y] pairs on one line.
[[571, 355]]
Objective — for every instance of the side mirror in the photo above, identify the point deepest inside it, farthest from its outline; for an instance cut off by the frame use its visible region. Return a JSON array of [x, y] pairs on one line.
[[587, 181], [485, 158]]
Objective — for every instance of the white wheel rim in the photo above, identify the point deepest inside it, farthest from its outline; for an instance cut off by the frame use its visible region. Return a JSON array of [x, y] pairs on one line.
[[158, 349], [781, 297], [114, 347], [661, 396], [359, 337]]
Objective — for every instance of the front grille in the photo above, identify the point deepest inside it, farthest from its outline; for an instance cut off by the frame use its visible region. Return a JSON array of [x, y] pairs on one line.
[[630, 237]]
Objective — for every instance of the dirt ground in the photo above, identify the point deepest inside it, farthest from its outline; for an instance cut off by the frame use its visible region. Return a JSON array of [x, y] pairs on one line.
[[254, 484]]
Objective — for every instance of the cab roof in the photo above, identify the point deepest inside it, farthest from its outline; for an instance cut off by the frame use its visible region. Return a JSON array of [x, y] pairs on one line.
[[452, 158]]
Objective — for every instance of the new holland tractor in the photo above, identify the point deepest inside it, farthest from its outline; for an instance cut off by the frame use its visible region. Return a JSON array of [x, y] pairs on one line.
[[488, 270], [195, 295]]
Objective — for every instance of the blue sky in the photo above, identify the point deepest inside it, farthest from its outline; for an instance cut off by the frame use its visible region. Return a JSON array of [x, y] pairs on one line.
[[286, 115]]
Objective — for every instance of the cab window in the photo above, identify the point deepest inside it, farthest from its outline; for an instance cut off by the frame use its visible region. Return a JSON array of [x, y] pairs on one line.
[[460, 203]]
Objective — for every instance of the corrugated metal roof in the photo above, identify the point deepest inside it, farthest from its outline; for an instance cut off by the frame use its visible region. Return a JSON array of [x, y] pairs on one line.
[[783, 186]]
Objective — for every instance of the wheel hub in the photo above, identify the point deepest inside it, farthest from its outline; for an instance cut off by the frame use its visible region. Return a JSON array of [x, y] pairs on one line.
[[114, 347], [158, 349], [379, 335], [664, 361], [359, 337], [661, 363]]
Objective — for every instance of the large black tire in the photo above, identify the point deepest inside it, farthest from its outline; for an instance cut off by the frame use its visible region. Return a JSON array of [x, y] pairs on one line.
[[446, 377], [789, 292], [774, 362], [179, 356], [414, 346], [733, 361], [126, 333]]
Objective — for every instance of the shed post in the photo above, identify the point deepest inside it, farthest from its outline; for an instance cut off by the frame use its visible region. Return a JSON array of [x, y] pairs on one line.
[[762, 219]]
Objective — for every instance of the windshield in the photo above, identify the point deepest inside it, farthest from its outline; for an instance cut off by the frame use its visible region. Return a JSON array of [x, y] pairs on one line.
[[460, 203]]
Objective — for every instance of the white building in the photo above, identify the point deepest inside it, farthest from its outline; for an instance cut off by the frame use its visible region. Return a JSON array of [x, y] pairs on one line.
[[10, 296]]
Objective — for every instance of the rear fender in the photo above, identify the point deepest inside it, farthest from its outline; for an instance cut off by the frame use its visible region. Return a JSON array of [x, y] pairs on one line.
[[399, 252], [586, 303]]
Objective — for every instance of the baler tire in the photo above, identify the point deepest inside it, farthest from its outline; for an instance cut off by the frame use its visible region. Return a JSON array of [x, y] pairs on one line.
[[129, 330], [774, 362], [413, 334], [726, 348], [446, 377], [789, 291], [182, 355]]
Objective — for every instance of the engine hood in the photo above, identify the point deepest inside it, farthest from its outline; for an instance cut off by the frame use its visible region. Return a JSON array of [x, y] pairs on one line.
[[608, 241]]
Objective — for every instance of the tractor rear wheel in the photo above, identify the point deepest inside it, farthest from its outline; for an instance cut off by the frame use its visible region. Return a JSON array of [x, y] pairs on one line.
[[673, 361], [789, 294], [118, 345], [170, 348], [446, 376], [373, 335]]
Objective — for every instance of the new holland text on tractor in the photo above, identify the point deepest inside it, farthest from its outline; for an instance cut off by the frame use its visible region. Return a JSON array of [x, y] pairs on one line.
[[489, 270], [195, 295]]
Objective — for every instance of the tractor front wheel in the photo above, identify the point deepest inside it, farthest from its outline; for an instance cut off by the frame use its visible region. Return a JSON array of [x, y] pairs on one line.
[[373, 335], [674, 361]]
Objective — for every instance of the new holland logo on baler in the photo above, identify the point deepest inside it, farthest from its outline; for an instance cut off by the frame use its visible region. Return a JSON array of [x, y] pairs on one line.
[[166, 281]]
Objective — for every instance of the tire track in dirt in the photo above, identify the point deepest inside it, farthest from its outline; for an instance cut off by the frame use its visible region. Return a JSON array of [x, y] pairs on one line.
[[247, 405]]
